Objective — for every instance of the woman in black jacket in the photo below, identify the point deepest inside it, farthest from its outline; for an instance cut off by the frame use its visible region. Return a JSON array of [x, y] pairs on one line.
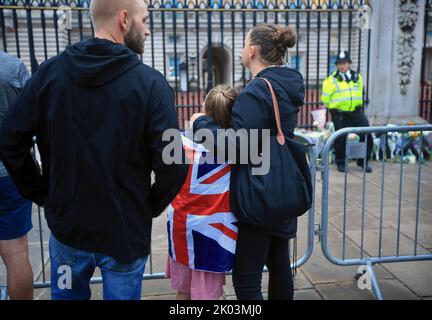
[[263, 54]]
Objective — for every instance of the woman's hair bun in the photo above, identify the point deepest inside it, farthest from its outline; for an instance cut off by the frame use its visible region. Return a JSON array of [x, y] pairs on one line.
[[284, 37]]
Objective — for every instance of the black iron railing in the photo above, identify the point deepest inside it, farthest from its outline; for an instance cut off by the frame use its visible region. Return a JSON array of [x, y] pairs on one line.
[[198, 44]]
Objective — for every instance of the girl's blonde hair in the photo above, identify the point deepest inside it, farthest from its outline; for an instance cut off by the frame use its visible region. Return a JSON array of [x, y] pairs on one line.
[[219, 102]]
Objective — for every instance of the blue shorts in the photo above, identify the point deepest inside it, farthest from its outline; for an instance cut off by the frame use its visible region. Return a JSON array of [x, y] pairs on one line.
[[15, 211]]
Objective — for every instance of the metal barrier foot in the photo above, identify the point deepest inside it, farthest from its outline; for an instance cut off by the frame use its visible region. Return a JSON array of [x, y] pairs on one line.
[[375, 287], [3, 293]]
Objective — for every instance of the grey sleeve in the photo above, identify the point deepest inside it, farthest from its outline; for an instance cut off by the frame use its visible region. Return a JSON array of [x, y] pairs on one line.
[[22, 74]]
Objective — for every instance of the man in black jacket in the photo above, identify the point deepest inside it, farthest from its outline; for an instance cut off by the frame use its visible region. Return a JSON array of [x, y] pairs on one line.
[[98, 114]]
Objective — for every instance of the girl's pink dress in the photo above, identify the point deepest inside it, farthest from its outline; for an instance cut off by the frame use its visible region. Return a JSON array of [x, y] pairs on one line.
[[199, 284]]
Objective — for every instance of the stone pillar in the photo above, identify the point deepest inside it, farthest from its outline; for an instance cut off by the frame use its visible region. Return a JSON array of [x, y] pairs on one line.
[[396, 58]]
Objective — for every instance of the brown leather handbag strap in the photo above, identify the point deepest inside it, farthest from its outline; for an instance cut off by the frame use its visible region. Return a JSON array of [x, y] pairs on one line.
[[280, 135]]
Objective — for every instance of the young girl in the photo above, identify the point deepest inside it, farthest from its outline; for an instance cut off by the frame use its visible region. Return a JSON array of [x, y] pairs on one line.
[[201, 227], [264, 53]]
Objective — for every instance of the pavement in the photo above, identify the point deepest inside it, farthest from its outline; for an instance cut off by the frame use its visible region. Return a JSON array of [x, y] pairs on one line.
[[318, 278]]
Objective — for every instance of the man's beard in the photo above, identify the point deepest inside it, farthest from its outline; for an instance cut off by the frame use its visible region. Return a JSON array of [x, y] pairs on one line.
[[134, 40]]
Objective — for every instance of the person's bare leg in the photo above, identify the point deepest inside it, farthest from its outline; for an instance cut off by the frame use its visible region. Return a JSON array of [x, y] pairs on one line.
[[19, 272], [183, 296]]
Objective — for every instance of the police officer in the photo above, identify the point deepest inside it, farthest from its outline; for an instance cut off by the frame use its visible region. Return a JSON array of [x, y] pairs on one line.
[[342, 94]]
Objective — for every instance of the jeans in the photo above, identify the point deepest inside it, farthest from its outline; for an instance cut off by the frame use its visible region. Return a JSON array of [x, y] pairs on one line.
[[71, 270], [256, 247]]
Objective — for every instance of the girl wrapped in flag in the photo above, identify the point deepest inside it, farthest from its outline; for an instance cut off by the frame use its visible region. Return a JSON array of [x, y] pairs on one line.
[[202, 230]]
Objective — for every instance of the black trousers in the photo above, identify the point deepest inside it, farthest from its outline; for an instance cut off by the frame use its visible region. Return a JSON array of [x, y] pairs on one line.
[[350, 119], [256, 247]]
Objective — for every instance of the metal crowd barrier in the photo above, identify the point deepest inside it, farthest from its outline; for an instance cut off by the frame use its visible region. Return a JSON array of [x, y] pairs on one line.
[[357, 150], [43, 282], [366, 257]]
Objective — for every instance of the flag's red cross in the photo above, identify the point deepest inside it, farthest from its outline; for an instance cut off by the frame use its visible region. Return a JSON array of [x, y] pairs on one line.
[[205, 193]]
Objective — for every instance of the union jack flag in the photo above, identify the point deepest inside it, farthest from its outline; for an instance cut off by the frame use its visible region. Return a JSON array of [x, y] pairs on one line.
[[201, 227]]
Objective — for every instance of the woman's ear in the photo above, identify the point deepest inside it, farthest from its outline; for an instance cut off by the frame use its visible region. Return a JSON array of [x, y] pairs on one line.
[[252, 52]]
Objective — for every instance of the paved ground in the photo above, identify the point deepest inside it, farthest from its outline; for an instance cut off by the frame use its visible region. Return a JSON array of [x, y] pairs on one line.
[[318, 278]]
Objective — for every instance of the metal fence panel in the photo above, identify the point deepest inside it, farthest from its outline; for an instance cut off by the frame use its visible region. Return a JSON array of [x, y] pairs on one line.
[[426, 76], [370, 251]]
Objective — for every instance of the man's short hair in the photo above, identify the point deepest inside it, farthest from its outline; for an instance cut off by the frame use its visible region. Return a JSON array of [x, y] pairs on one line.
[[103, 11]]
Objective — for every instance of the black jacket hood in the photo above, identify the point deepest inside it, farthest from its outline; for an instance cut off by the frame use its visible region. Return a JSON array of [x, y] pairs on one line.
[[96, 62], [290, 80]]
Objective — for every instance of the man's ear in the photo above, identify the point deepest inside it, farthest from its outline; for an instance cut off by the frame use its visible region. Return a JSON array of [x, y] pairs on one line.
[[124, 20]]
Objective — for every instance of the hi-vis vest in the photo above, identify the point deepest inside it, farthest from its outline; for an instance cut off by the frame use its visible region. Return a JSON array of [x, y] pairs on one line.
[[342, 95]]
